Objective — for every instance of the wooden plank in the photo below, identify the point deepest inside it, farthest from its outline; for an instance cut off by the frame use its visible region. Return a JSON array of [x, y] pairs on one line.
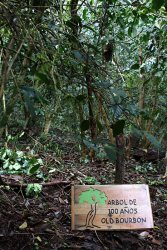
[[111, 207]]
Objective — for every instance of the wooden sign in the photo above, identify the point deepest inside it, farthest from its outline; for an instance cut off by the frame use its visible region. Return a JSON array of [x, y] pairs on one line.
[[111, 207]]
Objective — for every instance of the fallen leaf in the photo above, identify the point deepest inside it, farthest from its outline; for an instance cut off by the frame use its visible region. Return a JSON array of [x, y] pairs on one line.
[[156, 227], [39, 239], [49, 230], [23, 226], [53, 208], [143, 235], [157, 242], [61, 201], [57, 214]]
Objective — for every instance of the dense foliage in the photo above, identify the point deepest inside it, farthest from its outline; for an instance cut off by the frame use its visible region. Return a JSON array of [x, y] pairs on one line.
[[84, 66]]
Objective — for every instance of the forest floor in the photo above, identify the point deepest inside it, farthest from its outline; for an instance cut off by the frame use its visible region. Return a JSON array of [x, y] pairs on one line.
[[44, 222]]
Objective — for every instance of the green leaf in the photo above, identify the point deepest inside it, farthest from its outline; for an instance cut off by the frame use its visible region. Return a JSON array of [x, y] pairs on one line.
[[29, 104], [20, 153], [34, 169], [137, 132], [15, 166], [127, 1], [85, 14], [77, 19], [110, 152], [6, 164], [89, 45], [78, 55], [69, 24], [33, 161], [118, 127], [90, 145], [73, 21], [72, 38], [152, 140], [33, 188], [80, 98], [130, 29], [89, 28], [156, 4], [99, 125], [31, 96], [42, 77], [135, 66], [84, 125], [120, 21]]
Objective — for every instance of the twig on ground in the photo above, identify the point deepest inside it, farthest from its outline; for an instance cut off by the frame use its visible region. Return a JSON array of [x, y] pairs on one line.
[[100, 240], [24, 185]]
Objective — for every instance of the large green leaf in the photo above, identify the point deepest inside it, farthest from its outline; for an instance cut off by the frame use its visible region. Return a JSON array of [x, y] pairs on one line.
[[135, 66], [42, 77], [110, 152], [90, 144], [156, 4], [136, 131], [85, 125], [29, 91], [34, 169], [29, 103], [85, 14], [118, 127], [33, 94], [152, 140], [79, 56], [80, 98], [29, 97]]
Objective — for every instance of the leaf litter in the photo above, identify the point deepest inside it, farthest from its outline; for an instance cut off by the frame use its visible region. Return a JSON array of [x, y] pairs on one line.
[[44, 222]]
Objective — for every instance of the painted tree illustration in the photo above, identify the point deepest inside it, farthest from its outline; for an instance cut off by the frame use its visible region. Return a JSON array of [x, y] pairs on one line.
[[93, 197]]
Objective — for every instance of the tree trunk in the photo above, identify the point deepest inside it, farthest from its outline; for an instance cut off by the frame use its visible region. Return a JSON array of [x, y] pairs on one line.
[[120, 147], [107, 123], [81, 118], [92, 121], [48, 122], [5, 66], [141, 88]]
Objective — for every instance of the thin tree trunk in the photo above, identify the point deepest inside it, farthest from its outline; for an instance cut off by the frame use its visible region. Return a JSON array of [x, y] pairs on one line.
[[92, 121], [120, 160], [141, 89], [108, 126], [81, 118], [105, 117], [5, 66], [48, 122], [6, 126]]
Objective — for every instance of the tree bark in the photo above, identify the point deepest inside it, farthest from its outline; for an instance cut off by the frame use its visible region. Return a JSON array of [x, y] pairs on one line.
[[120, 159], [5, 66], [141, 88], [92, 121]]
